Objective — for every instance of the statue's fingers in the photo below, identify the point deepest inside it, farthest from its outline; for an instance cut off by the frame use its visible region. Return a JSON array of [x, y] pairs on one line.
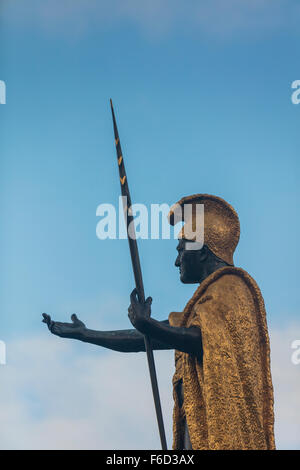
[[46, 317], [76, 320], [133, 297], [130, 315]]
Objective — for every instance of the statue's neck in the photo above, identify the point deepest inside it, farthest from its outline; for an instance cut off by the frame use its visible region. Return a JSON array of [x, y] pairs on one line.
[[210, 268]]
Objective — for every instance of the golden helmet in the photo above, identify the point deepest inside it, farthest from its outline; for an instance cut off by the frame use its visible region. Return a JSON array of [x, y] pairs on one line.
[[221, 223]]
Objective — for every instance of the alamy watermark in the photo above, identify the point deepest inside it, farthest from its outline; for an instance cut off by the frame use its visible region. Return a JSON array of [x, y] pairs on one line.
[[2, 353], [2, 343], [2, 92], [153, 224], [296, 94], [295, 358]]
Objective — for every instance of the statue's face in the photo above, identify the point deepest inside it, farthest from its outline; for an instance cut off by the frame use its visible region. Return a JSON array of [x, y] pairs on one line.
[[190, 262]]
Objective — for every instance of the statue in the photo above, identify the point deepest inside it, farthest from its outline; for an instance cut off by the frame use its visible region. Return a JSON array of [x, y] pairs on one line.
[[222, 386]]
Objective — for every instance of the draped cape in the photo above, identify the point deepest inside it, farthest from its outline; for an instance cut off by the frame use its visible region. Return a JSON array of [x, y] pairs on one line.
[[228, 393]]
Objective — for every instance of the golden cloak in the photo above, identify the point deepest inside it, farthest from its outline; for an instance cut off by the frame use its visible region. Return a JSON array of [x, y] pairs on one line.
[[228, 392]]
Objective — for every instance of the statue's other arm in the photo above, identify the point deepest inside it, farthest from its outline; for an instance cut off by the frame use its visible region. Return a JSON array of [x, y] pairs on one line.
[[119, 340], [188, 340]]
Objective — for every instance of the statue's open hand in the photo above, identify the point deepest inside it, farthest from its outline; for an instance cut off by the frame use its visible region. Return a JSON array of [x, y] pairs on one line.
[[139, 312], [65, 330]]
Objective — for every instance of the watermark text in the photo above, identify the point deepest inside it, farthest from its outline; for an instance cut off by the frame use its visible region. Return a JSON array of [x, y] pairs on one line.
[[138, 222], [296, 354], [296, 94], [2, 353], [2, 92]]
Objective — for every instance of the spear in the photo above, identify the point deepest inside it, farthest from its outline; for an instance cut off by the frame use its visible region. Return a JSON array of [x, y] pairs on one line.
[[136, 266]]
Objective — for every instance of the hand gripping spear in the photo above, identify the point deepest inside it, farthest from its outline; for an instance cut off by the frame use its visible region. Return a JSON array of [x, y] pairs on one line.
[[135, 259]]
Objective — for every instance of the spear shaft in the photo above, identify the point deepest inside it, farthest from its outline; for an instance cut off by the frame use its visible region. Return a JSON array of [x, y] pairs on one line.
[[135, 260]]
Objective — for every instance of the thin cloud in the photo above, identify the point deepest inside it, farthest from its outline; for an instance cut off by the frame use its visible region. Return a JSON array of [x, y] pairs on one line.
[[155, 18], [59, 394], [286, 379]]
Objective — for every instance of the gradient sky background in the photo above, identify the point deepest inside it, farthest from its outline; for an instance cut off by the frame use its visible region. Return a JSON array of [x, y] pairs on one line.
[[202, 94]]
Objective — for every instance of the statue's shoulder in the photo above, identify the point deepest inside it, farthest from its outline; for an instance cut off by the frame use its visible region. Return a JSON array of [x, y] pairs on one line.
[[233, 283], [228, 288], [230, 276], [175, 318]]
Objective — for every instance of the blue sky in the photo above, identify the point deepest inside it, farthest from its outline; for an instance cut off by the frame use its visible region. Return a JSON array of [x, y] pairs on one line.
[[202, 96]]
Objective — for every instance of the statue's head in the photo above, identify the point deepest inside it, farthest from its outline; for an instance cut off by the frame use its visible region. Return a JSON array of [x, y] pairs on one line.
[[195, 265], [206, 242]]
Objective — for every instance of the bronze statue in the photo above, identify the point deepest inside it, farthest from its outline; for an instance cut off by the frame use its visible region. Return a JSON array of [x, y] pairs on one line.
[[223, 394]]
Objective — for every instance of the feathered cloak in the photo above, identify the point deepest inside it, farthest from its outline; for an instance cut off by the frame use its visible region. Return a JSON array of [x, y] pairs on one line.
[[228, 393]]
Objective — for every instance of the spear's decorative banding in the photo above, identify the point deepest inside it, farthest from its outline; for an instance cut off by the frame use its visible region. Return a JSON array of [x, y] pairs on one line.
[[138, 276]]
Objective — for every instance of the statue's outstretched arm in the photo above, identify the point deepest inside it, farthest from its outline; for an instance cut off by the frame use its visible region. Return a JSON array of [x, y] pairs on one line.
[[119, 340]]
